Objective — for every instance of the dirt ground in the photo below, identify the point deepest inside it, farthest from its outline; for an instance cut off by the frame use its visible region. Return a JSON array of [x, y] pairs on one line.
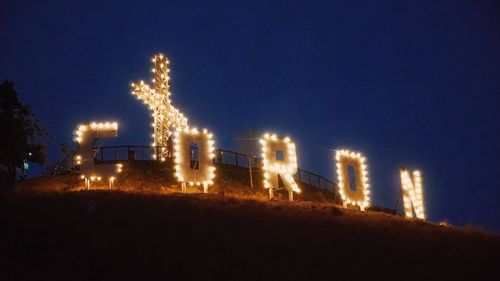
[[116, 235]]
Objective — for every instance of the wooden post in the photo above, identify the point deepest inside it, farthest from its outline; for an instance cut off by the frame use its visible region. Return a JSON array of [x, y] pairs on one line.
[[205, 188], [271, 195], [290, 195], [250, 170], [87, 183], [183, 187]]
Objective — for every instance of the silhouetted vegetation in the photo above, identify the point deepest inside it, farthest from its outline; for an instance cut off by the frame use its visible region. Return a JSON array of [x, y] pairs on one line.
[[22, 139], [64, 163]]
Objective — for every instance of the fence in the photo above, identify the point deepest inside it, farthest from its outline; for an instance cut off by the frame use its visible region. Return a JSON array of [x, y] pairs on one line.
[[222, 157], [127, 152]]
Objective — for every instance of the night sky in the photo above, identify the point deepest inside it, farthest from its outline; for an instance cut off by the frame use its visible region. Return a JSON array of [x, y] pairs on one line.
[[407, 83]]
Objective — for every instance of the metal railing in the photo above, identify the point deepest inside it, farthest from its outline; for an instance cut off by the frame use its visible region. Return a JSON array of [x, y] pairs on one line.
[[222, 157], [127, 152]]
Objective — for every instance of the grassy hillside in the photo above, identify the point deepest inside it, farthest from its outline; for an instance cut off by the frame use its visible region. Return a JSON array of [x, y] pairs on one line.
[[115, 235], [156, 177]]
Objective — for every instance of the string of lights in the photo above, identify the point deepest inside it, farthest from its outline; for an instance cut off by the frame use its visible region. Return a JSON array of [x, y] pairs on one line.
[[86, 135], [412, 193], [359, 196], [165, 116], [204, 172], [273, 167]]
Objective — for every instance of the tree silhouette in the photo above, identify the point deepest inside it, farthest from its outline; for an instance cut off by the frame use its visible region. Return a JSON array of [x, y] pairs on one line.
[[64, 163], [21, 137]]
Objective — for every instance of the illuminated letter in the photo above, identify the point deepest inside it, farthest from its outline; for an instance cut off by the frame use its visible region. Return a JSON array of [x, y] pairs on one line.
[[279, 160], [164, 114], [359, 196], [86, 136], [412, 194], [194, 166]]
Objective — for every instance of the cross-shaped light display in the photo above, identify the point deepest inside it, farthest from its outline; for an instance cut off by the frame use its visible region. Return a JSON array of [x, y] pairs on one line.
[[165, 116]]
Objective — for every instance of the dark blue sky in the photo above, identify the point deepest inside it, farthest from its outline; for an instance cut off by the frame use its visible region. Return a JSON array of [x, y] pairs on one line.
[[412, 83]]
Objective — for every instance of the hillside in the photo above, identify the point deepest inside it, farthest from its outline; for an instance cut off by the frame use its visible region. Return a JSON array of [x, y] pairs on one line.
[[117, 235]]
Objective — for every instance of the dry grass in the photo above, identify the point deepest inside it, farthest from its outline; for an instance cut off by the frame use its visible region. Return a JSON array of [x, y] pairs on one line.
[[152, 177]]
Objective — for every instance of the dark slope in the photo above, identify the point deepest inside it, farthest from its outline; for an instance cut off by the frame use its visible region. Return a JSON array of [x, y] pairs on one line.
[[99, 235]]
